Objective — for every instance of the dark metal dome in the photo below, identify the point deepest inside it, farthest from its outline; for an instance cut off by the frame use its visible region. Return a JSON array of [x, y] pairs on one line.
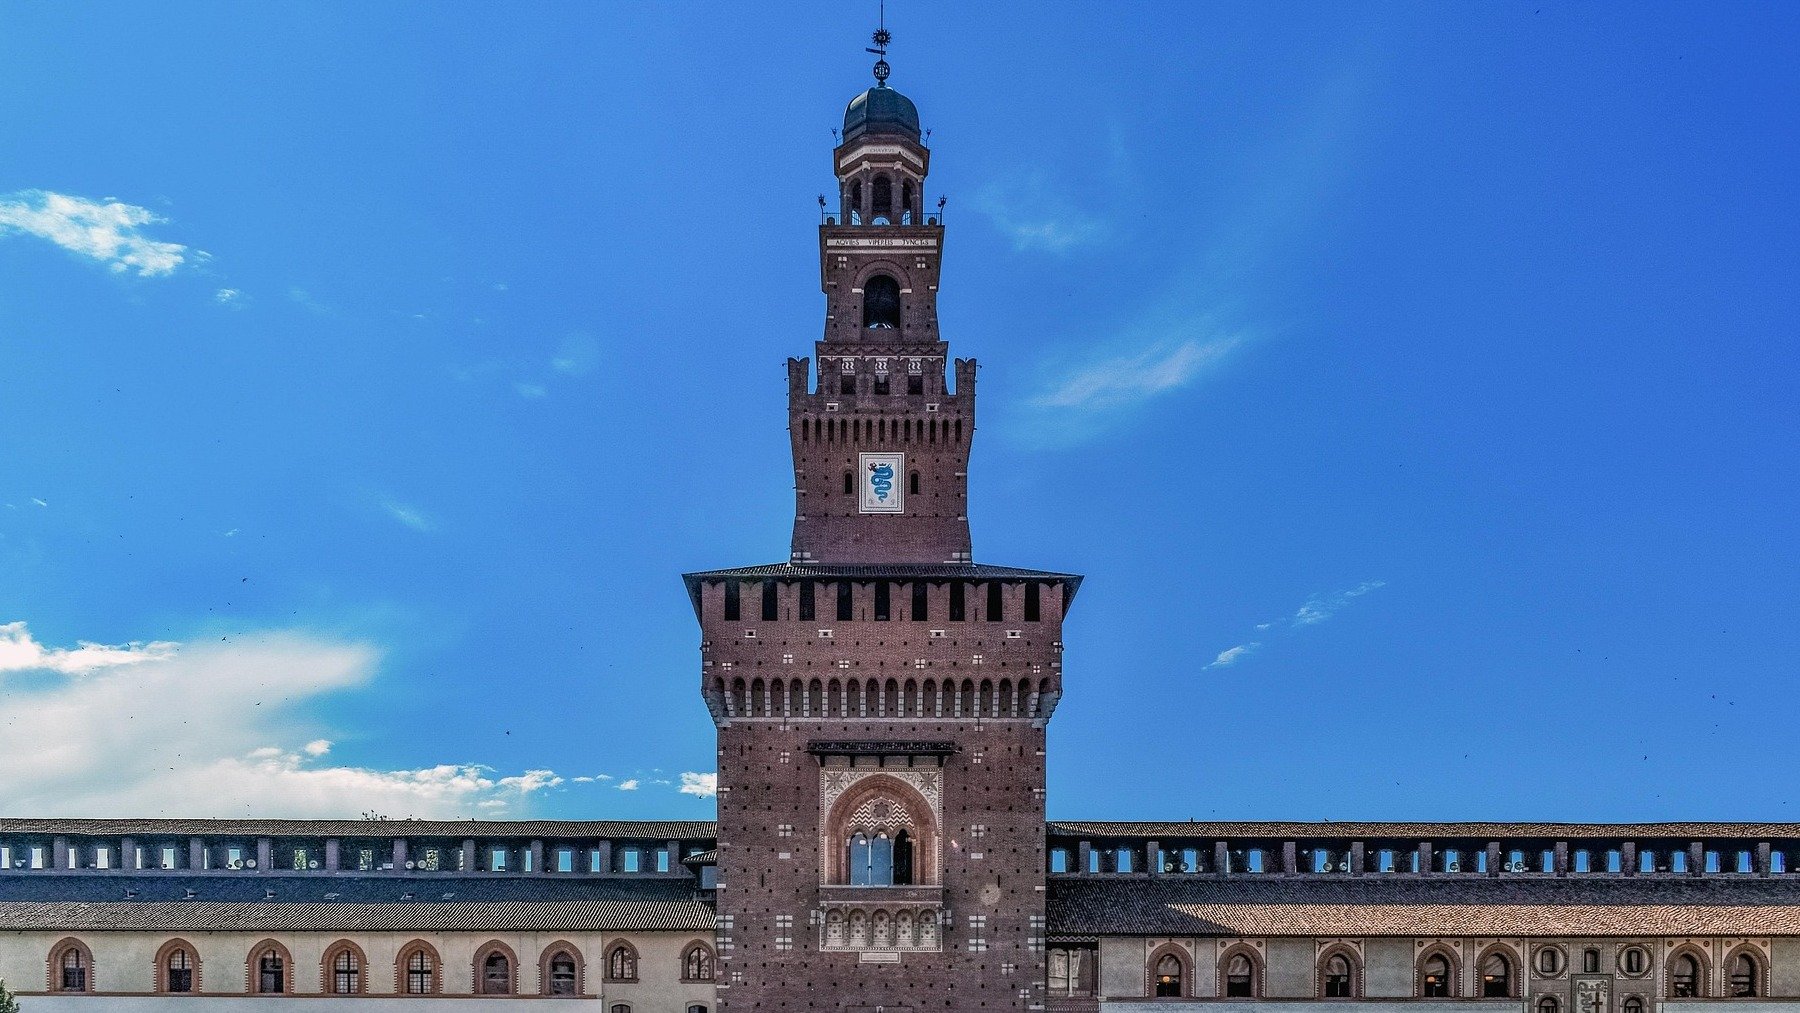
[[881, 110]]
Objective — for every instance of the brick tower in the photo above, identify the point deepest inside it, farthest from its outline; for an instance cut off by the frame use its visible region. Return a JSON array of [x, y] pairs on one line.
[[881, 698]]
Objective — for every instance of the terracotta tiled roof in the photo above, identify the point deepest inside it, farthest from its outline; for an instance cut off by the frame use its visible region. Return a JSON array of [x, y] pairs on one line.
[[653, 830], [1613, 906], [1424, 831], [57, 902]]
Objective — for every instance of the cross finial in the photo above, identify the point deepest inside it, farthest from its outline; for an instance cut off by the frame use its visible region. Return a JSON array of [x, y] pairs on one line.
[[881, 37]]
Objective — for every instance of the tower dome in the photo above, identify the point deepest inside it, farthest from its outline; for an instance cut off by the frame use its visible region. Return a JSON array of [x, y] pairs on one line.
[[881, 110]]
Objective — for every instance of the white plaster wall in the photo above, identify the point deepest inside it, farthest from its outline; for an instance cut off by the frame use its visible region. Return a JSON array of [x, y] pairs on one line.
[[124, 963]]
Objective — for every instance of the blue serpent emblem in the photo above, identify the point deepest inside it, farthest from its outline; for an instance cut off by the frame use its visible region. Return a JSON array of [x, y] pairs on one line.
[[881, 479]]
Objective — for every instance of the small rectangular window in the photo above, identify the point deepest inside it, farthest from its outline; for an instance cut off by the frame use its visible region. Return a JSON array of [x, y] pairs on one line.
[[915, 385], [629, 860], [806, 601], [846, 604], [847, 384], [769, 611], [731, 601], [881, 383], [918, 601], [996, 607], [662, 860], [1032, 603], [957, 590], [881, 601], [565, 860], [1059, 860]]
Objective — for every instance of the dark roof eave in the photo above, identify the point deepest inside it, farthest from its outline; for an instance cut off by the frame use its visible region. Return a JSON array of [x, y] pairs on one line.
[[930, 571]]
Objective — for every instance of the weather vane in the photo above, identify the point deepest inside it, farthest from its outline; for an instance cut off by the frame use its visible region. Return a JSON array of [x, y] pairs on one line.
[[882, 37]]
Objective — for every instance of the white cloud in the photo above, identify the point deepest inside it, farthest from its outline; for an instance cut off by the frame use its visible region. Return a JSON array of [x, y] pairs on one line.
[[530, 391], [699, 785], [188, 730], [39, 502], [1037, 215], [229, 297], [20, 652], [1130, 379], [1322, 607], [104, 230], [630, 784], [1230, 655], [530, 781], [409, 516], [576, 356]]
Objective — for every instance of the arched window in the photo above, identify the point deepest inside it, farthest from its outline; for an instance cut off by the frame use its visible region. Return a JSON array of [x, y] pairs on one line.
[[178, 971], [856, 199], [1746, 977], [419, 966], [697, 963], [849, 484], [1436, 978], [1684, 977], [621, 963], [912, 484], [1496, 976], [1240, 977], [906, 202], [696, 1008], [881, 207], [903, 859], [881, 303], [1548, 1004], [72, 967], [562, 978], [1337, 979], [270, 969], [621, 1007], [496, 974], [346, 972], [177, 967], [1590, 961], [1168, 976], [1634, 960], [1633, 1004], [871, 859], [1549, 960]]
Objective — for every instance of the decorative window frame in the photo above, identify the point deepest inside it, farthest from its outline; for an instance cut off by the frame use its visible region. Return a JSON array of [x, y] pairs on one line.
[[549, 953], [160, 967], [1451, 957], [1181, 954], [253, 973], [53, 967], [1756, 954], [1348, 952], [1703, 979], [712, 962], [403, 956], [1515, 968], [636, 962], [328, 974], [1258, 969], [477, 977]]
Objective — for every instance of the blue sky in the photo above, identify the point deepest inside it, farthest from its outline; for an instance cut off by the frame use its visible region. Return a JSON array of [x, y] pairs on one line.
[[1415, 384]]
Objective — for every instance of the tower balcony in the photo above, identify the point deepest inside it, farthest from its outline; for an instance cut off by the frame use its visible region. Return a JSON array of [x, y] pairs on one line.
[[882, 919]]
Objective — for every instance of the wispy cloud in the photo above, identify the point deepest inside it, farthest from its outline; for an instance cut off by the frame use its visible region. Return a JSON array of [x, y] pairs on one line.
[[1230, 655], [1322, 607], [1037, 214], [1135, 377], [412, 517], [629, 784], [231, 297], [577, 355], [105, 230], [1317, 609], [196, 729], [699, 785], [530, 391]]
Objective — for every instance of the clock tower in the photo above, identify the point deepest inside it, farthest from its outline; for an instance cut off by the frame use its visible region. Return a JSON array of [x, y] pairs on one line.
[[880, 697]]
